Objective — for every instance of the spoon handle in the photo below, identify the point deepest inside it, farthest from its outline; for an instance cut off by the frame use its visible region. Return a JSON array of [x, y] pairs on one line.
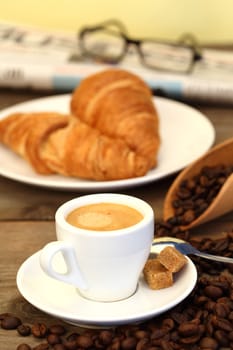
[[223, 259], [187, 248]]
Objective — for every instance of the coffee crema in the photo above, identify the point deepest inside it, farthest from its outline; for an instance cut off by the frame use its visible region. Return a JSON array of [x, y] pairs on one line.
[[104, 217]]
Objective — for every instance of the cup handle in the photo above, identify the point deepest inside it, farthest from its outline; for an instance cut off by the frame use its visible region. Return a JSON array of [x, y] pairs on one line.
[[73, 274]]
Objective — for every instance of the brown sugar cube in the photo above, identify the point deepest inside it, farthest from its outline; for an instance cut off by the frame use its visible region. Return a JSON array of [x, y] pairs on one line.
[[172, 259], [156, 275]]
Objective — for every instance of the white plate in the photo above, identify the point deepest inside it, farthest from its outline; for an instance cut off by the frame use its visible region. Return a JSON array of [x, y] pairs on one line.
[[63, 301], [186, 134]]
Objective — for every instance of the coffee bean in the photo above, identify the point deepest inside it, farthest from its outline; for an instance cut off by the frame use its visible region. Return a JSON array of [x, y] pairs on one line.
[[205, 181], [24, 330], [183, 193], [201, 300], [39, 330], [59, 347], [10, 322], [53, 339], [188, 329], [221, 337], [213, 292], [224, 324], [221, 310], [158, 333], [209, 327], [188, 217], [84, 341], [57, 329], [179, 317], [143, 344], [72, 336], [168, 323], [128, 343], [193, 339], [224, 285], [208, 343], [70, 344], [105, 337], [23, 347], [116, 345]]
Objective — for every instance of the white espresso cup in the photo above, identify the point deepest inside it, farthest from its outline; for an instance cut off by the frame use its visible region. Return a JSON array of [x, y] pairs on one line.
[[104, 265]]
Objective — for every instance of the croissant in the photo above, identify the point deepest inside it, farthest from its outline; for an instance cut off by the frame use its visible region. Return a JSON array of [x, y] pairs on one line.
[[90, 154], [57, 144], [24, 133], [119, 104], [110, 133]]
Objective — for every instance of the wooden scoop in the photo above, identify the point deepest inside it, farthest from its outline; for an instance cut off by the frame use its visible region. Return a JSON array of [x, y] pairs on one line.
[[221, 154]]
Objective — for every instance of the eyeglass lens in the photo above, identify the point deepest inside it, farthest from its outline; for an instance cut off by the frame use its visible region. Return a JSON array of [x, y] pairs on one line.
[[110, 46], [165, 56], [104, 44]]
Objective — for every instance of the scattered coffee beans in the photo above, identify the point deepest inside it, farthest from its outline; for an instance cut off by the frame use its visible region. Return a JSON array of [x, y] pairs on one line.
[[203, 321], [195, 195]]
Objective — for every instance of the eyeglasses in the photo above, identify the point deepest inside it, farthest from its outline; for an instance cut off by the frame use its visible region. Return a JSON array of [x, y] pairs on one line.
[[109, 42]]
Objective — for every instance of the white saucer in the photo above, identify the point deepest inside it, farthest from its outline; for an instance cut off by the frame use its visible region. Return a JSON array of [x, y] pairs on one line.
[[63, 301], [186, 135]]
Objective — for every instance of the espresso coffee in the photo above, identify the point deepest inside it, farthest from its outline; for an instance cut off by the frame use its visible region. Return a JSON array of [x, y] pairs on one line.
[[104, 217]]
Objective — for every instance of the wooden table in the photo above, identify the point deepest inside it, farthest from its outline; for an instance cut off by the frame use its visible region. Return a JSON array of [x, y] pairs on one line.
[[27, 218]]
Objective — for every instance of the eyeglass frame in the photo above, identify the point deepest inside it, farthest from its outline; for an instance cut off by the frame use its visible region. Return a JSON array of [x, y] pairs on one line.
[[192, 45]]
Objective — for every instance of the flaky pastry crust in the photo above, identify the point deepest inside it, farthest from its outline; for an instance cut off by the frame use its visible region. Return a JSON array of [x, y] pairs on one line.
[[111, 131]]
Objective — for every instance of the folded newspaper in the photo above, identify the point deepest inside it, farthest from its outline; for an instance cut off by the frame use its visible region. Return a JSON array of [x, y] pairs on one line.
[[39, 59]]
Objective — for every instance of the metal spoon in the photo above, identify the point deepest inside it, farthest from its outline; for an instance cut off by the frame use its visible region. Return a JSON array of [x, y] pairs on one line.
[[186, 249]]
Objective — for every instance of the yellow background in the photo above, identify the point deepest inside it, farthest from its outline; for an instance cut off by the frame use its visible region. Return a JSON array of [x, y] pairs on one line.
[[209, 20]]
